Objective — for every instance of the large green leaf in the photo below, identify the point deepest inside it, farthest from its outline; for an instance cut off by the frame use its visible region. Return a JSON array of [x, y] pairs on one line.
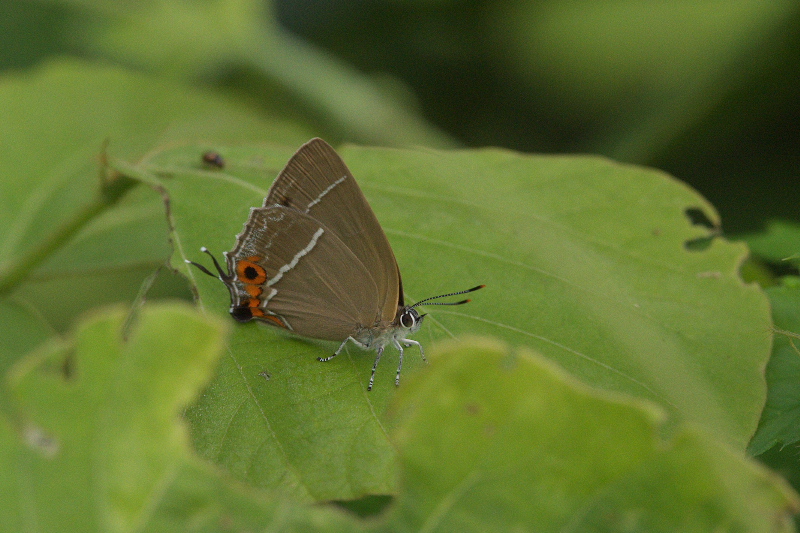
[[585, 260], [590, 263], [493, 440], [102, 414], [99, 443]]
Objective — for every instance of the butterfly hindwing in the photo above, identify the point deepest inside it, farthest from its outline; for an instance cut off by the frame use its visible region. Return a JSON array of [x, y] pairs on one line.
[[292, 267]]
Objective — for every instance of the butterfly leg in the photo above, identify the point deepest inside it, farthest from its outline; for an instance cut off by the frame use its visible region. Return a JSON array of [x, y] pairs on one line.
[[339, 350], [377, 359], [400, 366], [409, 342]]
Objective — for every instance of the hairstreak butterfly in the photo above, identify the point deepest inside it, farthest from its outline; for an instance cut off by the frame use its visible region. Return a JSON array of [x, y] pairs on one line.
[[314, 260]]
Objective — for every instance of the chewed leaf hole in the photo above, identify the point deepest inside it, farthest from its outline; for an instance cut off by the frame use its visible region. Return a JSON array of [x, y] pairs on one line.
[[699, 244], [698, 217]]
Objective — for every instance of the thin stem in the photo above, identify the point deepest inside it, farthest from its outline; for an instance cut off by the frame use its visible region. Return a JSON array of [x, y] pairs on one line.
[[20, 269]]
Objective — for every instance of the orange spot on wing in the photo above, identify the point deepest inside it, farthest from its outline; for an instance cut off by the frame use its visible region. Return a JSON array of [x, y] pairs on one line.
[[250, 272], [253, 290], [276, 320]]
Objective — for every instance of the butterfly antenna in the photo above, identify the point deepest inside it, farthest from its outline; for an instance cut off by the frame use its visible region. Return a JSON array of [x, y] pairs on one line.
[[222, 274], [446, 295]]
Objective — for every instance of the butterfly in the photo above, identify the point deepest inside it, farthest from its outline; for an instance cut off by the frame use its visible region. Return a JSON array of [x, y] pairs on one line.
[[314, 260]]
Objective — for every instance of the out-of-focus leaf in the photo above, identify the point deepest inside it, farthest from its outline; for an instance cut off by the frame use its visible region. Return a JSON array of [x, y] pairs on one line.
[[101, 445], [779, 242], [492, 440], [780, 421]]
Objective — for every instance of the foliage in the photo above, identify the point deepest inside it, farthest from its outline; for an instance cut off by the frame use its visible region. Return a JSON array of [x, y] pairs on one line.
[[626, 380]]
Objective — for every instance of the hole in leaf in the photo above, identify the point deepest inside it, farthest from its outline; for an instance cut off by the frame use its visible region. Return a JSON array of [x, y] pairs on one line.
[[698, 217], [699, 244]]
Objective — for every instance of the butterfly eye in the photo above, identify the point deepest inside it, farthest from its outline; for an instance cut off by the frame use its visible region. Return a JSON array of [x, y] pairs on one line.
[[409, 318]]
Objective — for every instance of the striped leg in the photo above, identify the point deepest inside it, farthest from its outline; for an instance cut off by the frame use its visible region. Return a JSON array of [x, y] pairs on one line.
[[409, 342], [377, 359], [341, 346], [400, 366]]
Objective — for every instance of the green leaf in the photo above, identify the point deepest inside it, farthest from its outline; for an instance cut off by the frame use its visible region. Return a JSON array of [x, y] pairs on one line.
[[589, 262], [102, 412], [779, 242], [55, 122], [549, 454], [101, 445], [16, 319], [585, 260], [21, 330], [780, 421]]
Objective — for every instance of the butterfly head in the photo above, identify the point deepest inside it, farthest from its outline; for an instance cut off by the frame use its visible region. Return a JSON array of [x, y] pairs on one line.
[[409, 319]]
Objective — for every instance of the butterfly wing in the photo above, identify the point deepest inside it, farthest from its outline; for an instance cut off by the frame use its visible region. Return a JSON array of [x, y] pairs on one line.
[[296, 273], [316, 182]]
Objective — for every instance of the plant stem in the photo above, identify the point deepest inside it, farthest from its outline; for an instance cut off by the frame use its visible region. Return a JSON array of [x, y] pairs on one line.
[[19, 270]]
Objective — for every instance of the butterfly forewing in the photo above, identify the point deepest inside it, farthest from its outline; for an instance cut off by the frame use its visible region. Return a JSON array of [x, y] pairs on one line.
[[316, 172], [299, 271]]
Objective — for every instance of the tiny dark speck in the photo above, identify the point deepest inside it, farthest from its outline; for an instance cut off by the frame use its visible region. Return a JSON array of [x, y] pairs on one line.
[[213, 159]]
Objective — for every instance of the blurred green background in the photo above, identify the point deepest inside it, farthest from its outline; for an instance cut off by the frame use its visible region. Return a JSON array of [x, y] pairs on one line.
[[705, 90]]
